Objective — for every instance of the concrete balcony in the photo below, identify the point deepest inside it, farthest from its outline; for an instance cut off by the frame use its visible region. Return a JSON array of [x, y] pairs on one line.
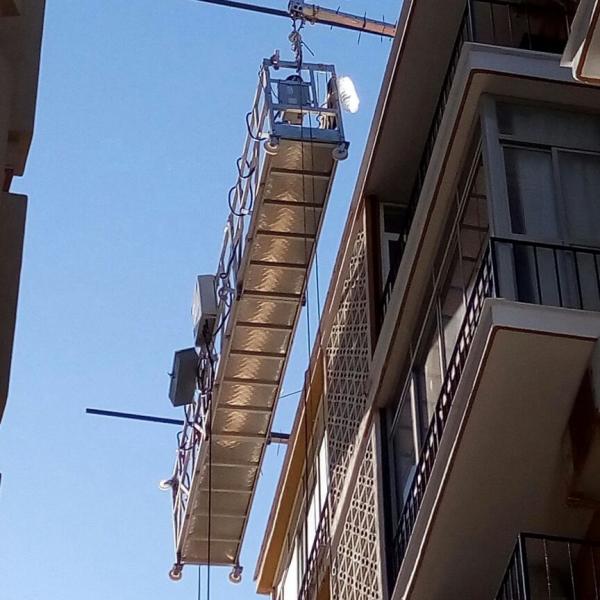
[[495, 460], [543, 566], [582, 53]]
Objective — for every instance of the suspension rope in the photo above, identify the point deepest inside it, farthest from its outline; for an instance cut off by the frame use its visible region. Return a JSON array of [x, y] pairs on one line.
[[308, 340], [297, 44], [209, 340]]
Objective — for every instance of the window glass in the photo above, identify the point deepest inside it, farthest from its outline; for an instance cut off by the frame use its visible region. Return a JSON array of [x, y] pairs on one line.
[[452, 305], [474, 229], [431, 374], [580, 182], [290, 585], [403, 451], [323, 472], [313, 519], [549, 126], [530, 25], [531, 197], [393, 226]]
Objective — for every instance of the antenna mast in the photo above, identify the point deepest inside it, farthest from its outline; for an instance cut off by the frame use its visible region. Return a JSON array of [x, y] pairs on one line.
[[311, 13]]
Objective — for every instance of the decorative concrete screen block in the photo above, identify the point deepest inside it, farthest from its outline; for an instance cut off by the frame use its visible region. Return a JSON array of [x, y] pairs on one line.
[[356, 566], [348, 360]]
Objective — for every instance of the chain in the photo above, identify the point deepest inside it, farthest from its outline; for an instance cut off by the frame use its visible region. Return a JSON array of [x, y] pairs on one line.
[[296, 40]]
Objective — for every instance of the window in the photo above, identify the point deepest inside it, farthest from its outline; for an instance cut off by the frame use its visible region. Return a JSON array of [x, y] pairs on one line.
[[455, 271], [580, 189], [430, 370], [552, 166], [393, 230], [551, 161], [305, 535], [403, 450], [532, 205], [531, 25], [290, 582]]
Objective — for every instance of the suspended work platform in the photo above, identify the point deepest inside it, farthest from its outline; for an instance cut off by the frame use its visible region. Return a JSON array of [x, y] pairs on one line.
[[285, 173]]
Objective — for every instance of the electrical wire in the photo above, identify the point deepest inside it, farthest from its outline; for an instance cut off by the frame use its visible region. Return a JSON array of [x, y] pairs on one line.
[[252, 135], [290, 394]]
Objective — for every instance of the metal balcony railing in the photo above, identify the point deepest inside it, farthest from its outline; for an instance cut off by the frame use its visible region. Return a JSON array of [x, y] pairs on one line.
[[543, 566], [549, 274], [538, 273], [318, 559], [507, 23], [483, 288]]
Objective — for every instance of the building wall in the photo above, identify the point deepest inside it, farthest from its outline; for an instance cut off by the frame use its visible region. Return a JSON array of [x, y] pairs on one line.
[[20, 40]]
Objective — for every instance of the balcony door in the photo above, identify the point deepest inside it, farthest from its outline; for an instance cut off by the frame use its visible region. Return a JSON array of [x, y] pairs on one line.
[[546, 204], [554, 203]]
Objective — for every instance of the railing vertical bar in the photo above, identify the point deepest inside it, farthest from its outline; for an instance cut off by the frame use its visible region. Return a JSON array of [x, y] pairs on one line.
[[547, 567], [557, 275], [529, 28], [595, 261], [594, 573], [537, 274], [510, 26], [470, 21], [522, 544], [571, 574], [578, 279]]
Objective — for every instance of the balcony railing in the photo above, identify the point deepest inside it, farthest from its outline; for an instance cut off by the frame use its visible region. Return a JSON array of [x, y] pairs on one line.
[[549, 274], [552, 567], [539, 273], [318, 558], [484, 287], [507, 23]]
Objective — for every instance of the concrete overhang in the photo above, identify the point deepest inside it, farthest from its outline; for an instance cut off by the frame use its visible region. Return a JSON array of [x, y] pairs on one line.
[[12, 228], [582, 53], [500, 468], [482, 70], [21, 24], [408, 99]]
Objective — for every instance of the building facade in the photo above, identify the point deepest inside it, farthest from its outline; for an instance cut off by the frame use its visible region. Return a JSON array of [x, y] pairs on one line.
[[21, 24], [446, 445]]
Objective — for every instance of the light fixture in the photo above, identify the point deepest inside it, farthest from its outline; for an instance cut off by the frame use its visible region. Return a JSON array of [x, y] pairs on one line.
[[348, 95], [236, 574], [176, 573]]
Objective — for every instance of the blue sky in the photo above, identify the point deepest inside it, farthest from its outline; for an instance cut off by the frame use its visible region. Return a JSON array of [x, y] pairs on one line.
[[140, 119]]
